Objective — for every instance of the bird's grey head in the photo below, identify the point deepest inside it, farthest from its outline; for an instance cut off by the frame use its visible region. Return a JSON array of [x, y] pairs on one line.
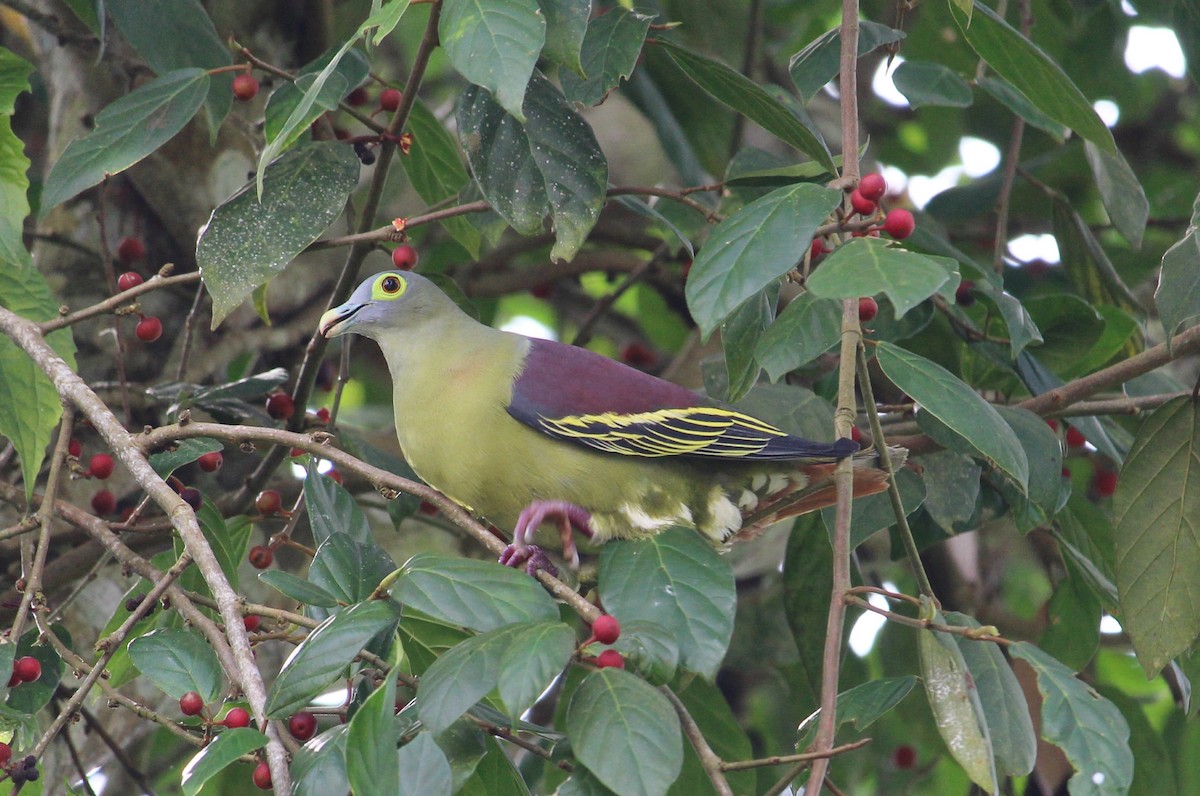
[[387, 301]]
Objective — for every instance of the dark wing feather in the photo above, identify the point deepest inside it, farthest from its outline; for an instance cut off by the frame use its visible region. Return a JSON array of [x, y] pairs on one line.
[[576, 395]]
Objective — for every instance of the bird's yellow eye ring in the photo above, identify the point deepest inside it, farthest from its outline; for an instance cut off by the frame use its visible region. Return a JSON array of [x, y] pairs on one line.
[[389, 287]]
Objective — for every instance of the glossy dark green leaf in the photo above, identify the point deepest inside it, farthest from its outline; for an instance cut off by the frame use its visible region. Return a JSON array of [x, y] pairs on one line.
[[1157, 510], [184, 452], [1018, 103], [807, 327], [928, 83], [424, 770], [372, 765], [676, 580], [435, 167], [178, 661], [325, 654], [297, 588], [819, 61], [539, 653], [870, 266], [226, 749], [1070, 327], [217, 534], [350, 571], [1043, 452], [743, 95], [739, 336], [351, 70], [14, 182], [126, 131], [753, 248], [1086, 726], [1122, 193], [29, 698], [495, 775], [425, 640], [494, 45], [610, 51], [319, 768], [464, 675], [464, 745], [959, 407], [1010, 727], [566, 26], [333, 510], [1035, 74], [625, 732], [246, 242], [864, 704], [650, 650], [1178, 295], [479, 595], [550, 164]]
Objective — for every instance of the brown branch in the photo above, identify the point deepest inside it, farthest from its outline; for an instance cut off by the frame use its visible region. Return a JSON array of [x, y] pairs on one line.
[[713, 765], [118, 751], [985, 633], [121, 299], [806, 757]]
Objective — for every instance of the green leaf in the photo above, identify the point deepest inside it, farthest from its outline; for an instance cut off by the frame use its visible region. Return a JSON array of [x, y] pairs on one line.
[[479, 595], [926, 83], [224, 750], [351, 70], [178, 661], [325, 654], [864, 704], [1072, 632], [650, 649], [532, 662], [874, 513], [495, 776], [1122, 194], [1187, 29], [1086, 726], [739, 336], [550, 163], [610, 51], [246, 242], [1004, 93], [29, 698], [1043, 451], [566, 26], [707, 705], [820, 60], [185, 451], [319, 768], [193, 42], [625, 732], [424, 769], [464, 745], [1010, 728], [332, 510], [464, 675], [1178, 295], [372, 765], [807, 327], [807, 582], [954, 700], [126, 131], [494, 45], [435, 168], [676, 580], [743, 95], [14, 183], [959, 407], [1085, 260], [297, 588], [870, 266], [29, 405], [753, 248], [350, 571], [1157, 510], [1033, 73], [951, 488]]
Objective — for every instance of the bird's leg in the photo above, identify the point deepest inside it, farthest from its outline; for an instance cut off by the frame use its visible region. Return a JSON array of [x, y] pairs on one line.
[[567, 516]]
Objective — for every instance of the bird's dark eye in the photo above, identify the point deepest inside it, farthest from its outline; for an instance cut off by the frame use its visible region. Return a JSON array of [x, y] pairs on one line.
[[390, 284]]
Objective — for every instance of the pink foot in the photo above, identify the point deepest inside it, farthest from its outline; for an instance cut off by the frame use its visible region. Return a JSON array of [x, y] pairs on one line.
[[566, 516], [532, 556]]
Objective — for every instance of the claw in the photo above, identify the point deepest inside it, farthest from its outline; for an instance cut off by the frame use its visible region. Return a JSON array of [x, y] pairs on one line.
[[567, 516], [532, 556]]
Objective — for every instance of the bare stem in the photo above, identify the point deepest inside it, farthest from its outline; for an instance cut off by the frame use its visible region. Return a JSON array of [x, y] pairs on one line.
[[713, 765]]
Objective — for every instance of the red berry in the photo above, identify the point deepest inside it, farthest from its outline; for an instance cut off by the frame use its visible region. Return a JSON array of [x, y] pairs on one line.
[[1105, 483], [193, 497], [280, 405], [191, 704], [427, 508], [28, 669], [260, 556], [610, 659], [5, 754], [357, 97], [637, 355], [130, 250], [899, 223], [251, 622], [211, 462], [148, 329], [268, 502], [101, 466], [389, 99], [294, 452], [904, 756], [1075, 438], [818, 248], [245, 87], [262, 776], [128, 279], [323, 415], [861, 204], [335, 476], [1052, 423], [405, 257], [104, 503], [964, 295], [686, 269], [1066, 472], [868, 308], [303, 725], [75, 448], [237, 717], [855, 434], [606, 629], [542, 291], [872, 187]]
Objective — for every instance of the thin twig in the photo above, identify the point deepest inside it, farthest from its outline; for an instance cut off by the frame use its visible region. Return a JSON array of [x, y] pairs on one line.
[[712, 764], [118, 751], [122, 299], [605, 302], [189, 325], [806, 757], [78, 763]]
